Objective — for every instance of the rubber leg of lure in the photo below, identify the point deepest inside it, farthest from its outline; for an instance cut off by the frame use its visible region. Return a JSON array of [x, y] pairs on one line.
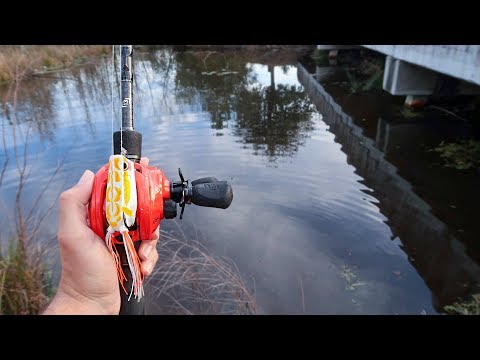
[[135, 267], [116, 258]]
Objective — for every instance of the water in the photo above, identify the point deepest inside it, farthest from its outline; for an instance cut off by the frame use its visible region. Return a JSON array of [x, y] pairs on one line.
[[338, 208]]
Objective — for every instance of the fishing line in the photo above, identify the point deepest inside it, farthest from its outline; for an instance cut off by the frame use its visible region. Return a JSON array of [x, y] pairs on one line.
[[121, 117], [111, 88]]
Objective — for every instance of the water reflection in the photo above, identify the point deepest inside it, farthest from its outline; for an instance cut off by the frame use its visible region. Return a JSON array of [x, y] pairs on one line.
[[382, 151], [30, 104], [223, 83], [274, 118], [33, 102]]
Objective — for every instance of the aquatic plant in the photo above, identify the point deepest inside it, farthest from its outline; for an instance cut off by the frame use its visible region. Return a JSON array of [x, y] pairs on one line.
[[359, 84], [461, 155], [471, 307]]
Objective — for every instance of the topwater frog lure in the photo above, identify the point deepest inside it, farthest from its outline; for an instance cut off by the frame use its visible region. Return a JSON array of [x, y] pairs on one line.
[[120, 211], [129, 199]]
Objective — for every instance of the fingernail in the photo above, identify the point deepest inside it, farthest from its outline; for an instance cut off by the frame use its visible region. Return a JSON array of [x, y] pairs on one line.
[[83, 178]]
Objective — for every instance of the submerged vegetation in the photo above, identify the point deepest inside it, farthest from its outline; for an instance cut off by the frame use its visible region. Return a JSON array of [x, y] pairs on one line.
[[364, 70], [350, 278], [361, 84], [461, 155], [320, 57], [471, 307], [367, 76], [409, 113]]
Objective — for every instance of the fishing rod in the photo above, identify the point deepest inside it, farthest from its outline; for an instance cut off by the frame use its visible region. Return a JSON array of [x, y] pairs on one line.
[[130, 199]]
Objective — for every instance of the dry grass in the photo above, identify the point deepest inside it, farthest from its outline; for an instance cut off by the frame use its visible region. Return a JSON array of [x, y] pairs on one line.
[[36, 59], [25, 285], [24, 282], [189, 280]]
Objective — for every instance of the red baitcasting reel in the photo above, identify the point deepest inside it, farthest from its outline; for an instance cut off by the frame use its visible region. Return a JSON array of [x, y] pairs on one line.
[[157, 198], [153, 188]]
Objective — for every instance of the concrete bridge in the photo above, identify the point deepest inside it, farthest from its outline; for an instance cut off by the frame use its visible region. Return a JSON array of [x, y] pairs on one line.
[[418, 71]]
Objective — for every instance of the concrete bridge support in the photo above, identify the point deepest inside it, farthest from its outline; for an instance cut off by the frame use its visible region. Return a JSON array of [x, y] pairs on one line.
[[419, 71], [417, 83]]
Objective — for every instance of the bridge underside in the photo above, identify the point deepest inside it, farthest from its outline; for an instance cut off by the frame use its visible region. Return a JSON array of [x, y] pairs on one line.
[[418, 71]]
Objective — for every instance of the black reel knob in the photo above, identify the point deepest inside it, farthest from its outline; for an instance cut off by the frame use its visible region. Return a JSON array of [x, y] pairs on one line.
[[207, 191]]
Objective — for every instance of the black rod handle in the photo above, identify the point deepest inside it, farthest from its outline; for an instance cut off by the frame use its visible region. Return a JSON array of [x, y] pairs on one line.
[[132, 307]]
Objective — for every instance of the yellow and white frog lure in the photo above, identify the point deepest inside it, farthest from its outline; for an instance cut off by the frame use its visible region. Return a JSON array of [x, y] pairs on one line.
[[120, 210]]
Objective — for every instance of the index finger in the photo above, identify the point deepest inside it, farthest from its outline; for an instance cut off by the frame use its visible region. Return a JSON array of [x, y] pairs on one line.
[[144, 160], [147, 246]]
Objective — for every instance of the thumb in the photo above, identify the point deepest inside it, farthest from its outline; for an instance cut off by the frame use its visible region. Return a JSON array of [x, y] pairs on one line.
[[72, 210], [83, 190]]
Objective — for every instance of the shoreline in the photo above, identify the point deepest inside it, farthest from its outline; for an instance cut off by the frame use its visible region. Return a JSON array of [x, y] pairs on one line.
[[18, 62]]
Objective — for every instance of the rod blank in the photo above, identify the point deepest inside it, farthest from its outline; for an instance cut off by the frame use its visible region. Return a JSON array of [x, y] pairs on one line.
[[127, 84]]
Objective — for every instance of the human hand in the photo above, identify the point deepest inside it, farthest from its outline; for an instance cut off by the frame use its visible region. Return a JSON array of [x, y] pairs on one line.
[[89, 283]]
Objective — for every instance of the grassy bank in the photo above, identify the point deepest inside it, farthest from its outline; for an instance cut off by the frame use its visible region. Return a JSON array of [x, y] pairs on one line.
[[21, 61], [25, 285]]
